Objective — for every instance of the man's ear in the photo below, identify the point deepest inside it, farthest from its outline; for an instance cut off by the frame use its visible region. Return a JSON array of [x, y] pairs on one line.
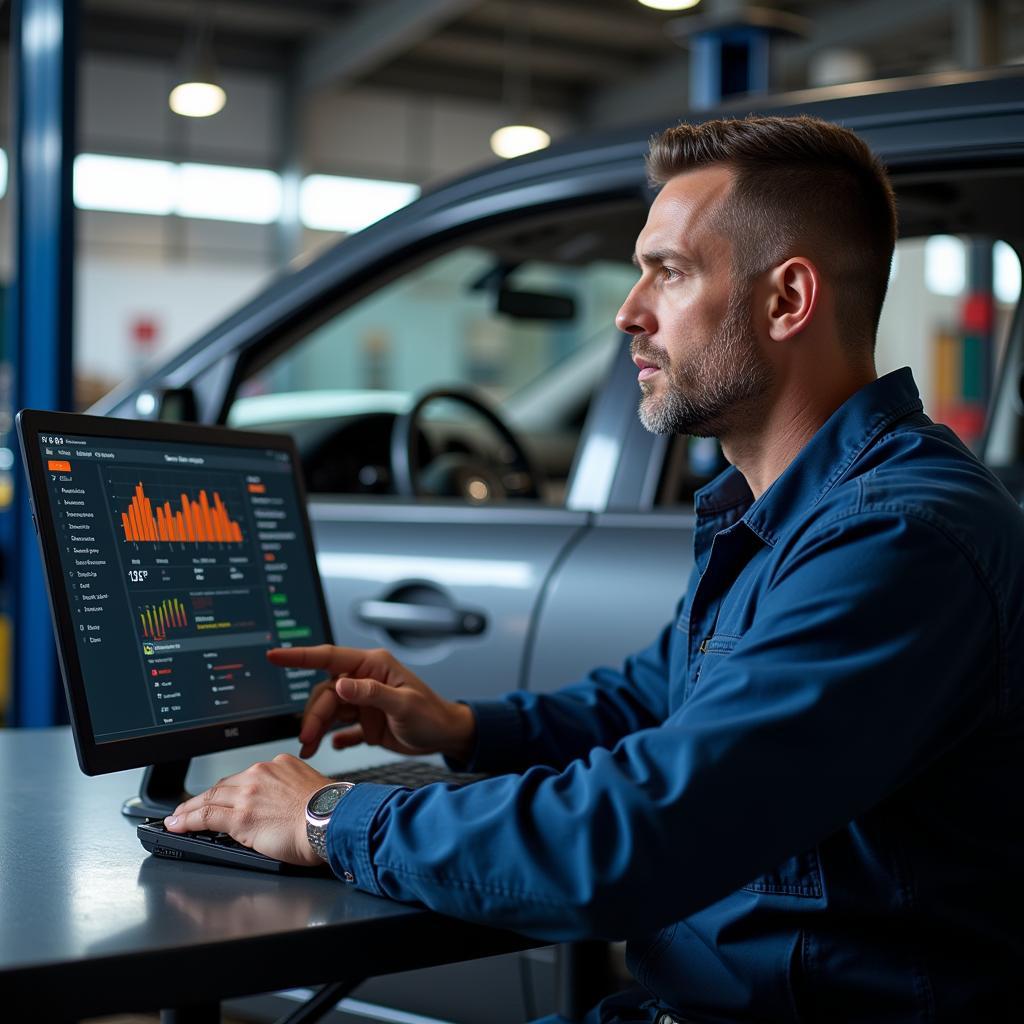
[[795, 289]]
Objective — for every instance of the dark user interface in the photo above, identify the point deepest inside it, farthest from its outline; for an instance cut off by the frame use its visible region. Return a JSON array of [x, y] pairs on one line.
[[183, 565]]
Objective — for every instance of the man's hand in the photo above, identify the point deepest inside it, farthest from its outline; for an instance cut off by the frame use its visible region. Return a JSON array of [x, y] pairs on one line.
[[379, 701], [263, 807]]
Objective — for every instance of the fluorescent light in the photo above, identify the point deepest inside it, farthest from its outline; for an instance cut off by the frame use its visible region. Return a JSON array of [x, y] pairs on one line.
[[249, 195], [3, 172], [670, 5], [333, 203], [945, 265], [124, 184], [1005, 273], [518, 139], [145, 404], [243, 194], [197, 99]]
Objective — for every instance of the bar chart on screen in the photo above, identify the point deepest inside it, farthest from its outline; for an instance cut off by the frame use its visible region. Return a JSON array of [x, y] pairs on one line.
[[188, 519]]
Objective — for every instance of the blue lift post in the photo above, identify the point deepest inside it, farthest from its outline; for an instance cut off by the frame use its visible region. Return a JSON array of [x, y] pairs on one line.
[[731, 49], [726, 62], [43, 86]]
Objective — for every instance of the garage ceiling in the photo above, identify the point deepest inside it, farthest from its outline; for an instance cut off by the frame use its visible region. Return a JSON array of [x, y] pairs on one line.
[[574, 51]]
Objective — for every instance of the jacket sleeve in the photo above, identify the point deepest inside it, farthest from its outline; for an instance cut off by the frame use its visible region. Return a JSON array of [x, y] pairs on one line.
[[523, 729], [875, 651]]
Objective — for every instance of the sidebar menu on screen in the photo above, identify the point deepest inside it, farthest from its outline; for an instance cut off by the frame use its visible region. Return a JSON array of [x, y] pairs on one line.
[[182, 566]]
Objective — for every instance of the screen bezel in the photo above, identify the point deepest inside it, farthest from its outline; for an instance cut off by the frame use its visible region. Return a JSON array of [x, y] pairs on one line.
[[179, 744]]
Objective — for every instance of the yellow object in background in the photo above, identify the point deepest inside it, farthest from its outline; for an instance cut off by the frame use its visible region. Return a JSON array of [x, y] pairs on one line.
[[946, 389]]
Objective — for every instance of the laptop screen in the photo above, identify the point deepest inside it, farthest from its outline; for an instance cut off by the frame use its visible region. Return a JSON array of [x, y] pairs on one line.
[[181, 564]]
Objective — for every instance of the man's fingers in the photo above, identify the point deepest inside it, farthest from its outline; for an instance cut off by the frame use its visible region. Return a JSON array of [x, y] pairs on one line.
[[336, 660], [373, 694], [322, 714], [350, 737], [210, 817], [319, 714]]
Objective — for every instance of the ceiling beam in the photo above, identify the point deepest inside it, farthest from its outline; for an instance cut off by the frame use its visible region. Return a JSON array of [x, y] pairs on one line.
[[635, 28], [662, 91], [553, 61], [452, 79], [117, 37], [365, 41], [857, 24], [239, 15]]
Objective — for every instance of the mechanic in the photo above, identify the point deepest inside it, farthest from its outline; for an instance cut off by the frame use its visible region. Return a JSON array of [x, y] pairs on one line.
[[805, 800]]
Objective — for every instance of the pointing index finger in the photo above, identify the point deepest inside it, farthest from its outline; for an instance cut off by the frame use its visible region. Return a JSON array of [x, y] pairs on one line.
[[338, 661]]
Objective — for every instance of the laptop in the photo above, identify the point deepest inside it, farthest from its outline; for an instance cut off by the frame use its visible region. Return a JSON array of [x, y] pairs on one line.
[[175, 556]]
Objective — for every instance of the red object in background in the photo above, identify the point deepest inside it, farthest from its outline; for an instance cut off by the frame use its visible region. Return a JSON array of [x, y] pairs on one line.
[[977, 313], [966, 420], [144, 331]]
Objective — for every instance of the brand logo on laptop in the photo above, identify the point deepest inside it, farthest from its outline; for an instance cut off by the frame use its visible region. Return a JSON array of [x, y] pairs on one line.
[[232, 732]]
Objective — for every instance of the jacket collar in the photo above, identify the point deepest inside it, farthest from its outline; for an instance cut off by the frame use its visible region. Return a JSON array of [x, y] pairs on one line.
[[837, 444]]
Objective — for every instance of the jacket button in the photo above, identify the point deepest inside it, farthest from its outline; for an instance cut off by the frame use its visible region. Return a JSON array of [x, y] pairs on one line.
[[348, 876]]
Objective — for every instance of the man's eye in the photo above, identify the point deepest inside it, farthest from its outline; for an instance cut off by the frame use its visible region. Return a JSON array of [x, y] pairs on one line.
[[668, 274]]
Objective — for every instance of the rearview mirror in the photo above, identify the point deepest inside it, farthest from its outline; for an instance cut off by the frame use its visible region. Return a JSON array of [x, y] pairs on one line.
[[535, 305]]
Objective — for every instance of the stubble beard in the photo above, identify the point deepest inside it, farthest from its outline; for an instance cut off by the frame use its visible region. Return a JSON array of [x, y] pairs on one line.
[[718, 389]]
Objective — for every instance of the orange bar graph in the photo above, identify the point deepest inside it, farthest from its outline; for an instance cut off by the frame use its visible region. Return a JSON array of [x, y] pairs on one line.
[[195, 521]]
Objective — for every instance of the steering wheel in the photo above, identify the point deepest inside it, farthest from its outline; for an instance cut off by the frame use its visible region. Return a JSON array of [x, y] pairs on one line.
[[460, 473]]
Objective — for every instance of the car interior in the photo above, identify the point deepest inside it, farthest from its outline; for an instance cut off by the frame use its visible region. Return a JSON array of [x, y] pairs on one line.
[[532, 337]]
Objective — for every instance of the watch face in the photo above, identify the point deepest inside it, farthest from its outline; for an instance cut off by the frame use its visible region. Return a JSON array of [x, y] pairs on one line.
[[326, 800]]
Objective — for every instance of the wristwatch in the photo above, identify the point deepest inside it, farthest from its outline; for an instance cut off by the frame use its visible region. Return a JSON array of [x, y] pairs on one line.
[[319, 809]]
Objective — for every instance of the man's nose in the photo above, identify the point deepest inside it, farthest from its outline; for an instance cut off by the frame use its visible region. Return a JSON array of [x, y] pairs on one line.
[[634, 316]]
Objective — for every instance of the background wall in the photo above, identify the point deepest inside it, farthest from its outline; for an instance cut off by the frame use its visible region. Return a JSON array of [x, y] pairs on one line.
[[148, 285]]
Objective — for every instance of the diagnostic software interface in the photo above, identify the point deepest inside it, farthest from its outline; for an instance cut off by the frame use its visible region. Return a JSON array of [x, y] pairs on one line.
[[183, 564]]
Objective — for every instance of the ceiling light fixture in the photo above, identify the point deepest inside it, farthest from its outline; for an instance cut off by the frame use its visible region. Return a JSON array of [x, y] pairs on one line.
[[519, 137], [197, 94], [670, 5], [197, 99]]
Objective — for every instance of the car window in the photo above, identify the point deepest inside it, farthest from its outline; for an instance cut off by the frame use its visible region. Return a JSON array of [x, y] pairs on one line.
[[947, 315], [523, 318]]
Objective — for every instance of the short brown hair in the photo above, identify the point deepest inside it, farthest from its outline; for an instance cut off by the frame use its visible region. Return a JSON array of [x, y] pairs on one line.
[[800, 181]]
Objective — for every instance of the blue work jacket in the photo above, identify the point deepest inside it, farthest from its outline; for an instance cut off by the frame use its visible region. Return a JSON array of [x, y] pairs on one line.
[[804, 801]]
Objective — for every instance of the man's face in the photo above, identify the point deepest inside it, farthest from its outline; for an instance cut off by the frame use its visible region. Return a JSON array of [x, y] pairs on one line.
[[701, 369]]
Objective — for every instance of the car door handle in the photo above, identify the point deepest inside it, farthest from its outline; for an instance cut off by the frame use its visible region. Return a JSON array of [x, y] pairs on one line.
[[424, 619]]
